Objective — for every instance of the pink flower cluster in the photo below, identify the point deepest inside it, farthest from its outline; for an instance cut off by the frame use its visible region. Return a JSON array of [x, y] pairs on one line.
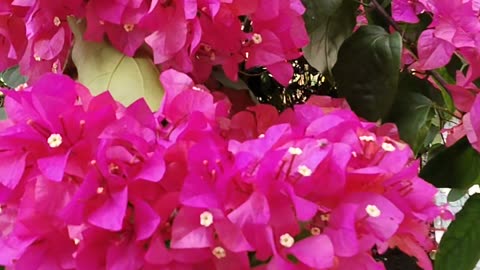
[[89, 184], [192, 36], [455, 29]]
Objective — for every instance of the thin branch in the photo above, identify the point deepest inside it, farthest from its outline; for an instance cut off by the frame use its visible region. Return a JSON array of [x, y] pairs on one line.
[[387, 17]]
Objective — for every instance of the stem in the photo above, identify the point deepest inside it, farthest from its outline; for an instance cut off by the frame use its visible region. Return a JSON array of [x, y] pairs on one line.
[[387, 17], [439, 108]]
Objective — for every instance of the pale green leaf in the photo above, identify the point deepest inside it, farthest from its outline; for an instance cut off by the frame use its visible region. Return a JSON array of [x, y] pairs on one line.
[[101, 67], [329, 23]]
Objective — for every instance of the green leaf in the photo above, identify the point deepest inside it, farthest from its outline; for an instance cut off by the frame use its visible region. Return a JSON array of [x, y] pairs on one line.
[[329, 22], [3, 115], [460, 246], [101, 67], [367, 71], [457, 166], [456, 194], [413, 111], [12, 77]]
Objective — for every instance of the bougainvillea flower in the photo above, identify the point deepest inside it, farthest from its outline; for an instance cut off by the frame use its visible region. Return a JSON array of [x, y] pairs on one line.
[[12, 34], [471, 122], [194, 186], [433, 52], [406, 11]]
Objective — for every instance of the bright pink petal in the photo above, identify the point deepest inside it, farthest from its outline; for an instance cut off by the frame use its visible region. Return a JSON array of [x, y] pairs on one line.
[[53, 167], [110, 214], [314, 251], [12, 166]]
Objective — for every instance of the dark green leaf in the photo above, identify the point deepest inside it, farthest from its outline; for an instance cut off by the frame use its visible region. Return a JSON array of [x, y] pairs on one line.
[[12, 77], [413, 111], [460, 246], [456, 194], [318, 8], [457, 166], [329, 22], [367, 71], [434, 150]]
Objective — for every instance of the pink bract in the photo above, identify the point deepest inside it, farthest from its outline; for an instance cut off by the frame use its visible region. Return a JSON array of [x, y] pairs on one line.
[[191, 36], [194, 187]]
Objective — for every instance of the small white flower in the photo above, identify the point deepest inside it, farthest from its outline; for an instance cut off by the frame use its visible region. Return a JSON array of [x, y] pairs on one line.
[[304, 170], [372, 210], [367, 138], [287, 240], [388, 147], [219, 252], [295, 151], [128, 27], [257, 38], [56, 21], [55, 140], [206, 219]]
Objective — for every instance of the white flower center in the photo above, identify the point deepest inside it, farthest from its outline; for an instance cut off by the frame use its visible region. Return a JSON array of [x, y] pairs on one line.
[[219, 252], [257, 38], [128, 27], [315, 231], [304, 170], [367, 138], [206, 219], [55, 140], [388, 147], [287, 240], [372, 210], [295, 151], [56, 21]]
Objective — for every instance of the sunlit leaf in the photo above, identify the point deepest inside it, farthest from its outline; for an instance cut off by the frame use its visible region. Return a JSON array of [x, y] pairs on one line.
[[12, 77], [329, 22], [101, 67]]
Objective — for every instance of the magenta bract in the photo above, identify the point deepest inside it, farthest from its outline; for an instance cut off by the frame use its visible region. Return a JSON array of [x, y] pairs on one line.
[[95, 185]]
